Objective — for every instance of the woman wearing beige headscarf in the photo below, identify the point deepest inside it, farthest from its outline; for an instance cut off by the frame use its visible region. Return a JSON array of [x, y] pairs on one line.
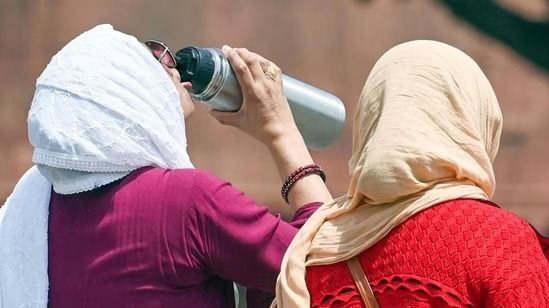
[[417, 228]]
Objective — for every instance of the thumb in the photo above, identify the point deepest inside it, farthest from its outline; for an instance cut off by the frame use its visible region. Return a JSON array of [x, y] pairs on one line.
[[225, 117]]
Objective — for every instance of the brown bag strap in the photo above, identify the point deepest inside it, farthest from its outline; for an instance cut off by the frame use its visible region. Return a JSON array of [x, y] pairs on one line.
[[362, 283]]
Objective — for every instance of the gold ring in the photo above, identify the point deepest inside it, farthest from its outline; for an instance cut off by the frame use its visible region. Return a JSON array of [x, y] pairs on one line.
[[271, 73]]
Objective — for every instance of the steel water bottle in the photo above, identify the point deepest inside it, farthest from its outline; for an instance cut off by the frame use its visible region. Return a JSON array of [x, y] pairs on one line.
[[319, 115]]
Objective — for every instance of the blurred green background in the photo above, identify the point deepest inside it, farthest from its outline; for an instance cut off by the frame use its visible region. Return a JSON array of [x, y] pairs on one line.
[[330, 44]]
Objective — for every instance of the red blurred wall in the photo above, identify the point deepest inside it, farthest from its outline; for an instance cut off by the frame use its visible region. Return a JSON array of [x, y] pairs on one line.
[[331, 44]]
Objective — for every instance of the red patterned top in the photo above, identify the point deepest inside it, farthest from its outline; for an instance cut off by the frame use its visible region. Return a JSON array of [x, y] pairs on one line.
[[460, 253]]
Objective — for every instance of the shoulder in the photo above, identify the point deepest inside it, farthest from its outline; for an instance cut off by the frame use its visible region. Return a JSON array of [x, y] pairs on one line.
[[490, 216], [481, 223], [195, 185], [173, 178], [491, 234], [471, 230], [478, 215], [173, 186]]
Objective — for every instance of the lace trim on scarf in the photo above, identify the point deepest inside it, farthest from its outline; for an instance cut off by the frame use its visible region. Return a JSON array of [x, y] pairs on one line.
[[67, 161]]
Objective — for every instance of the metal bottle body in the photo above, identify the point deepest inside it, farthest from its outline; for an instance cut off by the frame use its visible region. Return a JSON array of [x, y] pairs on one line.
[[319, 115]]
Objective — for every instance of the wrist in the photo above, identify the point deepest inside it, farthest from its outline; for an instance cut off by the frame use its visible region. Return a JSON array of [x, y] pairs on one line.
[[298, 175], [289, 153], [284, 137]]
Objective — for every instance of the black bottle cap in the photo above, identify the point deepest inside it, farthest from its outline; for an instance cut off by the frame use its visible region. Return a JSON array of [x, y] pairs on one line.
[[195, 65]]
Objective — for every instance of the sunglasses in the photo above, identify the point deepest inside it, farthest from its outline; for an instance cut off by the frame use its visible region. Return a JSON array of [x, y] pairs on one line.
[[162, 53]]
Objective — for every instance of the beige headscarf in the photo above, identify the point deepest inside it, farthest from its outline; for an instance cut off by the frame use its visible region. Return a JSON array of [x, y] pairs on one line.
[[426, 130]]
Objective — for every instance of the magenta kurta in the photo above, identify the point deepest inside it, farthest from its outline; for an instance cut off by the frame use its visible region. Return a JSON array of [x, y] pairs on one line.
[[163, 238]]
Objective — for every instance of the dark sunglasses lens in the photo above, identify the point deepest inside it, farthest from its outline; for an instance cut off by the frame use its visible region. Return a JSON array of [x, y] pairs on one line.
[[161, 53]]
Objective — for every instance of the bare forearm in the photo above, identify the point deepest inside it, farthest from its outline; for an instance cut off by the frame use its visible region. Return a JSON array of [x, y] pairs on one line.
[[289, 153]]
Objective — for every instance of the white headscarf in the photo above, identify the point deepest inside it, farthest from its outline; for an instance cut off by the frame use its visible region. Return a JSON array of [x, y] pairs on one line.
[[102, 108]]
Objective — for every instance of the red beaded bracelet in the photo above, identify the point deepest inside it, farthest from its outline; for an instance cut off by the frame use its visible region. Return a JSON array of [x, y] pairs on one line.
[[297, 175]]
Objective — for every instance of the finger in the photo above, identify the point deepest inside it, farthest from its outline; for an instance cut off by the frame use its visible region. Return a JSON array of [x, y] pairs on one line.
[[271, 71], [226, 49], [240, 69], [187, 85], [266, 63], [252, 60], [225, 118]]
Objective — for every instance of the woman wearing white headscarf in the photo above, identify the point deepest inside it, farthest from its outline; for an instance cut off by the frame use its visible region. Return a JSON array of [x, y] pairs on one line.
[[416, 228], [113, 214]]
